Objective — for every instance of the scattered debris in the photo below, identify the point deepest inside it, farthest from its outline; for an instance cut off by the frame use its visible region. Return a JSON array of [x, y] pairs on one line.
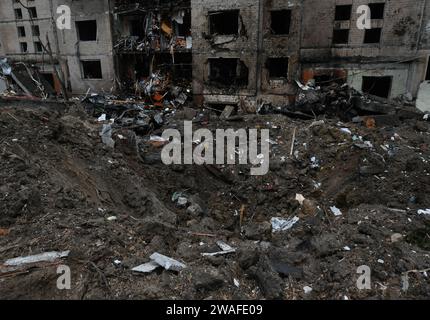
[[147, 267], [281, 224], [43, 257], [226, 249], [424, 212], [336, 211], [307, 289]]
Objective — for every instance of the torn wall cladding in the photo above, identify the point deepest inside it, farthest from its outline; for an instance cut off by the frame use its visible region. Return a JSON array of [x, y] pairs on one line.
[[150, 37]]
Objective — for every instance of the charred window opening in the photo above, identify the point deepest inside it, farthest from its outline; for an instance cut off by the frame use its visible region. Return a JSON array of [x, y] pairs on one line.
[[372, 35], [343, 13], [137, 28], [377, 86], [341, 36], [87, 30], [277, 67], [280, 22], [49, 78], [92, 69], [180, 69], [228, 72], [224, 22], [184, 29], [377, 10]]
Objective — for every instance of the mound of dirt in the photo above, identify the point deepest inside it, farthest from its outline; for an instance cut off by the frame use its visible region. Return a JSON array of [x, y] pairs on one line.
[[63, 189]]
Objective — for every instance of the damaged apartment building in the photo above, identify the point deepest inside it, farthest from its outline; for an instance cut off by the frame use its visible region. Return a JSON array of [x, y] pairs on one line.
[[152, 39], [243, 53], [81, 56], [387, 60], [250, 52]]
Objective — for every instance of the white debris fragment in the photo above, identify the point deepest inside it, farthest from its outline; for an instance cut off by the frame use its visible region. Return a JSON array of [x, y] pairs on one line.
[[182, 201], [307, 289], [117, 262], [346, 130], [346, 248], [300, 198], [43, 257], [111, 218], [102, 118], [236, 282], [381, 261], [226, 249], [424, 212], [336, 211], [224, 246], [167, 263], [281, 224], [146, 267], [315, 163]]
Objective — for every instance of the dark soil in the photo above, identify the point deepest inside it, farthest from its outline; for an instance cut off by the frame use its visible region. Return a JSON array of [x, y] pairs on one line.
[[60, 183]]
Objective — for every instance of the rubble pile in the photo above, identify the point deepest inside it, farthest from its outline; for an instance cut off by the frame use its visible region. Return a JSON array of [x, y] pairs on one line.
[[343, 102], [339, 195], [21, 79]]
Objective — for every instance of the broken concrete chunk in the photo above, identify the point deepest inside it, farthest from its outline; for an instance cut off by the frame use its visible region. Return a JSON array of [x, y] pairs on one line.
[[146, 267], [167, 263], [43, 257]]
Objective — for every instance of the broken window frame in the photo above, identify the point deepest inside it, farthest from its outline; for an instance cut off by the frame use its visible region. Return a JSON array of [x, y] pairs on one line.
[[93, 77], [367, 36], [239, 80], [210, 22], [79, 24], [381, 14], [341, 43], [390, 78], [337, 13], [277, 77], [287, 25]]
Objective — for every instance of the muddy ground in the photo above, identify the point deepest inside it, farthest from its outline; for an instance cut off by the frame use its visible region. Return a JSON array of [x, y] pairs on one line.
[[60, 184]]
